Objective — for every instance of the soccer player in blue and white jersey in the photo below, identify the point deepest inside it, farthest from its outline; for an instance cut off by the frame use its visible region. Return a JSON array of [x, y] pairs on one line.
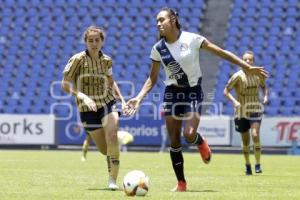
[[178, 52]]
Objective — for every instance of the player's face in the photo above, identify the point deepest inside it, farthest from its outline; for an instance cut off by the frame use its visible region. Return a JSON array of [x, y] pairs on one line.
[[93, 42], [163, 23], [248, 58]]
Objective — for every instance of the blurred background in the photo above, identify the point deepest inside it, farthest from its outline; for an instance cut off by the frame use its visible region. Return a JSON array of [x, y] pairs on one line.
[[37, 37]]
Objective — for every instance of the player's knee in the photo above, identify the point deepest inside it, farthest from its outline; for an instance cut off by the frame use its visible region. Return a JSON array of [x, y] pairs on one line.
[[255, 133], [189, 135]]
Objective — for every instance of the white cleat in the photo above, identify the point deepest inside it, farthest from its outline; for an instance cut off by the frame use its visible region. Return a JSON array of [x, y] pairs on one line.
[[83, 159], [125, 137], [112, 184]]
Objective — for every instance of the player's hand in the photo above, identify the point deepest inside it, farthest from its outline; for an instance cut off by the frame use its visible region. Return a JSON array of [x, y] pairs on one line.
[[132, 106], [266, 100], [259, 71], [87, 101]]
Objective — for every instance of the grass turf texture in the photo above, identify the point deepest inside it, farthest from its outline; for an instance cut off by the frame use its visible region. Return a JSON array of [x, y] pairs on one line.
[[55, 175]]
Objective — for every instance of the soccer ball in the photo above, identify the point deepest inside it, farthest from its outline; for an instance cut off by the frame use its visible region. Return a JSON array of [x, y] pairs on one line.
[[136, 183]]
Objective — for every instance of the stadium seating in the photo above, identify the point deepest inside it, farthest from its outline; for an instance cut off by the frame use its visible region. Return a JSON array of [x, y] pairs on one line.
[[37, 37], [270, 28]]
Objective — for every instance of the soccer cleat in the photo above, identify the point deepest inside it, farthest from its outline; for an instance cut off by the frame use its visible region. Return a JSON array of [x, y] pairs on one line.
[[204, 151], [180, 187], [258, 169], [112, 184], [124, 137], [248, 169], [83, 159]]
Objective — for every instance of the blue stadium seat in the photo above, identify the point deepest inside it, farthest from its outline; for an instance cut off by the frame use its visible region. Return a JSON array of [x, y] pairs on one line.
[[292, 12], [54, 34], [273, 44], [265, 12]]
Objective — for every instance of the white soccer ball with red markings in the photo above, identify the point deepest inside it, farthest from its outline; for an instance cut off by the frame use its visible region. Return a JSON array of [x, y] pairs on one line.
[[136, 183]]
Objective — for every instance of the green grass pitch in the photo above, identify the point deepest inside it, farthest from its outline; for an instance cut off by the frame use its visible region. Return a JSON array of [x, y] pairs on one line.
[[60, 175]]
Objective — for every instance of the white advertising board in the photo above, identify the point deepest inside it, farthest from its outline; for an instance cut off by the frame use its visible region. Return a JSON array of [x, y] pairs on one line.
[[27, 129], [280, 131], [275, 132], [216, 129]]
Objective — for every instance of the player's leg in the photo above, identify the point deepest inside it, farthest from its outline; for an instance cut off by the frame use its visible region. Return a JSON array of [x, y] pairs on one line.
[[242, 126], [192, 113], [255, 127], [174, 130], [246, 150], [192, 137], [98, 137], [85, 147], [110, 124], [94, 128]]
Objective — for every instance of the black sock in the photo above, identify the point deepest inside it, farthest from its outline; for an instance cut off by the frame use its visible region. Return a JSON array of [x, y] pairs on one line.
[[198, 139], [177, 162]]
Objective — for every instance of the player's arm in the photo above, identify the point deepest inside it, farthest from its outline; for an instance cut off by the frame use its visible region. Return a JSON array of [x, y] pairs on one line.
[[69, 75], [151, 80], [116, 89], [133, 104], [233, 81], [68, 87], [231, 98], [266, 94], [227, 55]]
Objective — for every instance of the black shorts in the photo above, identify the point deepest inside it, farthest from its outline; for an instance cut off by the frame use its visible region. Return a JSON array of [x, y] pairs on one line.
[[243, 124], [92, 120], [181, 100]]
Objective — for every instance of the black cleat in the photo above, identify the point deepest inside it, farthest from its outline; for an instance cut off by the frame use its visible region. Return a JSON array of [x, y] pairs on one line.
[[258, 169], [248, 170]]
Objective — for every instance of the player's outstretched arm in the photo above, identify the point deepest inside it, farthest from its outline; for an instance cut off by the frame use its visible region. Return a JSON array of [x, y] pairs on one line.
[[227, 55], [133, 104], [117, 91]]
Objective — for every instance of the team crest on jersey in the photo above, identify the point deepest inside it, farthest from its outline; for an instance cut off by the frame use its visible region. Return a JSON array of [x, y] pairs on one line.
[[183, 47]]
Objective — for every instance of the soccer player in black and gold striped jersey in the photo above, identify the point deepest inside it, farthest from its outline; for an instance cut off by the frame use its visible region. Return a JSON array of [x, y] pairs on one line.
[[88, 77], [248, 109]]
